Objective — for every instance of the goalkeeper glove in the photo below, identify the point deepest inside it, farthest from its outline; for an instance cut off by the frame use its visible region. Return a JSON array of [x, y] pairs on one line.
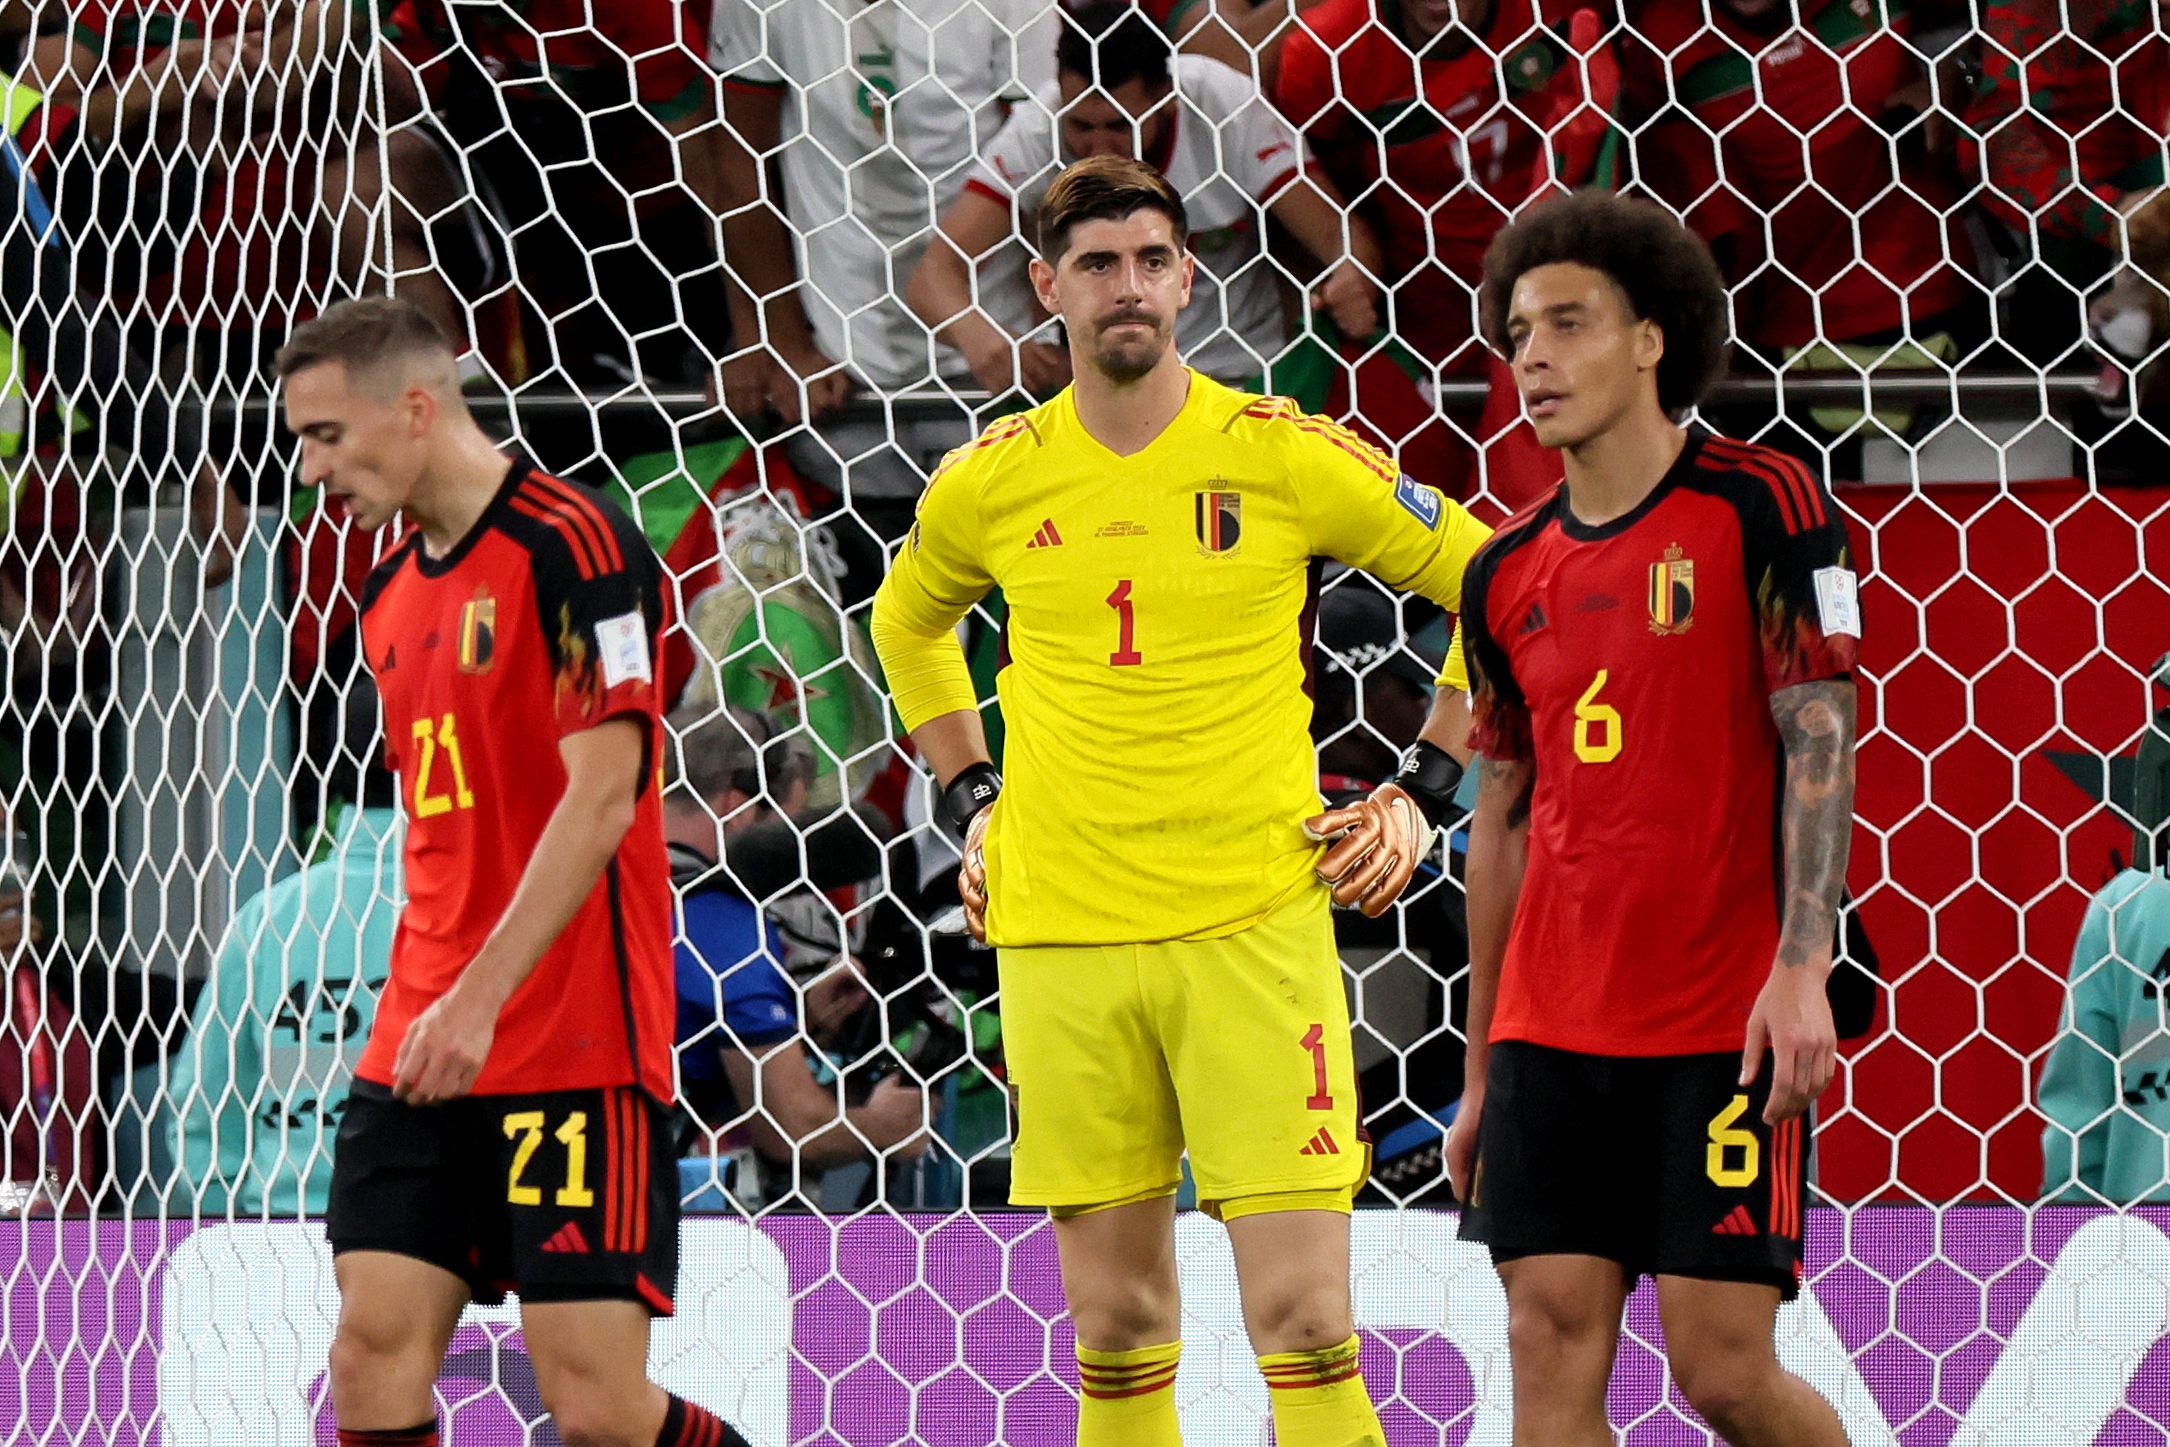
[[969, 802], [1379, 841]]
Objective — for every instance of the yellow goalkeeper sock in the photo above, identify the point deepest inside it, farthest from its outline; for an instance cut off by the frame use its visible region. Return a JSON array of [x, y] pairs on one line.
[[1319, 1399], [1128, 1398]]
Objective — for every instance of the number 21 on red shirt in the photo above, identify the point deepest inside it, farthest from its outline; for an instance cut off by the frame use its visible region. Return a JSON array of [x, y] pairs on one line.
[[433, 735]]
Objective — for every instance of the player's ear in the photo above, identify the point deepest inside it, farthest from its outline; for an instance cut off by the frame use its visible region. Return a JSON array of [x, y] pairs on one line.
[[420, 405], [1043, 285], [1649, 344], [1190, 273]]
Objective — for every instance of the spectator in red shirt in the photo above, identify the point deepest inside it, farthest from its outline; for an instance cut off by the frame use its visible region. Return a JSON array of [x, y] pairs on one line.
[[250, 118], [1774, 138], [1438, 120], [2067, 130], [569, 116]]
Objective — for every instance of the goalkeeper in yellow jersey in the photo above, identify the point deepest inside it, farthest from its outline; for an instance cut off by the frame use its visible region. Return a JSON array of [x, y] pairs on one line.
[[1152, 873]]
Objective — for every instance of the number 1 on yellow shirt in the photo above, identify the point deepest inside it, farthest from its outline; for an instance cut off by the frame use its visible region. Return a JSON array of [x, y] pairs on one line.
[[1126, 627]]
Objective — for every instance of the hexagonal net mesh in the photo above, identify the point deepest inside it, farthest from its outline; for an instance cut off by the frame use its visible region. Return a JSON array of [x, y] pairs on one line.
[[750, 268]]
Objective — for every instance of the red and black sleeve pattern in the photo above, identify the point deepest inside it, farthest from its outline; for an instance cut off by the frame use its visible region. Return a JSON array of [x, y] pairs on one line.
[[599, 600], [1499, 709], [1797, 561]]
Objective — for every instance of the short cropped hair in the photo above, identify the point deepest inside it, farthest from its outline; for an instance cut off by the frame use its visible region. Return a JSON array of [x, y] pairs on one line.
[[1105, 188], [725, 747], [1111, 45], [1663, 268], [367, 333]]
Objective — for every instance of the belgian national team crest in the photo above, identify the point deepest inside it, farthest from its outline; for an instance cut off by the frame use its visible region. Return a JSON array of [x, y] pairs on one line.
[[1220, 521], [1672, 592], [478, 632]]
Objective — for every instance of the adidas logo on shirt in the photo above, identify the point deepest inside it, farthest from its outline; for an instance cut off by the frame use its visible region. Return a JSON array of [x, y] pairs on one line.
[[1320, 1144], [1046, 537]]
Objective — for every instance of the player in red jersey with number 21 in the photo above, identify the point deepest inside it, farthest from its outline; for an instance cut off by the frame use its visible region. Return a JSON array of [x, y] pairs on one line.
[[507, 1127]]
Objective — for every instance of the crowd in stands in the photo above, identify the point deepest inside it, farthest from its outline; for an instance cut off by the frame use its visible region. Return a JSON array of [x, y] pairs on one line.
[[820, 216]]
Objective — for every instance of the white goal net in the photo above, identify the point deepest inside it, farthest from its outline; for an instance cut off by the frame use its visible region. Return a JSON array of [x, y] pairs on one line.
[[751, 267]]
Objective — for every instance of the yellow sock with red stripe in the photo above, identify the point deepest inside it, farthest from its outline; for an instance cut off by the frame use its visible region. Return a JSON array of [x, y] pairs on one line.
[[1319, 1398], [1128, 1398]]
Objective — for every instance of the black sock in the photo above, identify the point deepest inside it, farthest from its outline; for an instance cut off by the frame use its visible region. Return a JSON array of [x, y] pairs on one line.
[[686, 1425], [423, 1435]]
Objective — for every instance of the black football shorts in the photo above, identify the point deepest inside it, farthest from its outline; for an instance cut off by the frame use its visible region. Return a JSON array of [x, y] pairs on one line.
[[564, 1195], [1661, 1163]]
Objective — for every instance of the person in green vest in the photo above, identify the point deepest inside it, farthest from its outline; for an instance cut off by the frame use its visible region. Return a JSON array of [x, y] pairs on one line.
[[2106, 1085], [260, 1082]]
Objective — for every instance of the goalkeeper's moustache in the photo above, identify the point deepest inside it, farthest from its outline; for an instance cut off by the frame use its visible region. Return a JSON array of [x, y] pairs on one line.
[[1379, 841]]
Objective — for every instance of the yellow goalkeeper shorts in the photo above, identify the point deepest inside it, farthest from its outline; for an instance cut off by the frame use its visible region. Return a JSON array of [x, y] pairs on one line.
[[1120, 1056]]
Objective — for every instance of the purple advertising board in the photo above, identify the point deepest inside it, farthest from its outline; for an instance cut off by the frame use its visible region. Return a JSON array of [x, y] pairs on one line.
[[1967, 1326]]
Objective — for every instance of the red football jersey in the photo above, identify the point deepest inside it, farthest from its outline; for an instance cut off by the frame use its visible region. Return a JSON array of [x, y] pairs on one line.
[[592, 56], [124, 31], [2071, 113], [1779, 155], [1437, 153], [543, 621], [1633, 663]]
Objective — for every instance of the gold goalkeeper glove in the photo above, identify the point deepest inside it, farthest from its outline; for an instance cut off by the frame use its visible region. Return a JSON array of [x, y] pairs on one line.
[[1378, 842]]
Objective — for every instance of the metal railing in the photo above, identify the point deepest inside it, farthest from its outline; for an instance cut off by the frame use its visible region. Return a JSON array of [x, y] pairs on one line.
[[1894, 386]]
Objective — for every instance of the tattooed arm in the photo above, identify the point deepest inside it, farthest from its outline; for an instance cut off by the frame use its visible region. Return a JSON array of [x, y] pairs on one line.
[[1499, 833], [1792, 1015]]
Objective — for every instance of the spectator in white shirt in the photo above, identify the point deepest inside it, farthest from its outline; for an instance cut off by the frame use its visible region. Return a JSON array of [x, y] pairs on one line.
[[874, 114], [1233, 159]]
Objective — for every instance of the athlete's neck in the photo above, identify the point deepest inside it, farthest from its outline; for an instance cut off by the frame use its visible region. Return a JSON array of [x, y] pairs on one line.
[[1610, 473], [1125, 417], [455, 489]]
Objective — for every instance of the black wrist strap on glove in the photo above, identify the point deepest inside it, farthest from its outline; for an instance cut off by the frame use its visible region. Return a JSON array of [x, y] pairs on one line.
[[1429, 775], [972, 790]]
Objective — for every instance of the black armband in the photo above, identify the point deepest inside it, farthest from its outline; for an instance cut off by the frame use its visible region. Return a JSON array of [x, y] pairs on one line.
[[972, 790], [1429, 775]]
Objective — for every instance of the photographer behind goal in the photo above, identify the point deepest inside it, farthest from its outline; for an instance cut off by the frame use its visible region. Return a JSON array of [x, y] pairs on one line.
[[737, 845]]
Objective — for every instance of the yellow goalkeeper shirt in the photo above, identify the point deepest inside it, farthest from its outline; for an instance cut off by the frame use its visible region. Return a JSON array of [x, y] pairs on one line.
[[1159, 764]]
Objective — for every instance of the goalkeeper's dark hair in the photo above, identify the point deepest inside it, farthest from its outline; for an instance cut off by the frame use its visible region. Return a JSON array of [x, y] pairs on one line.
[[1661, 267], [370, 334], [1111, 45], [1106, 188]]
